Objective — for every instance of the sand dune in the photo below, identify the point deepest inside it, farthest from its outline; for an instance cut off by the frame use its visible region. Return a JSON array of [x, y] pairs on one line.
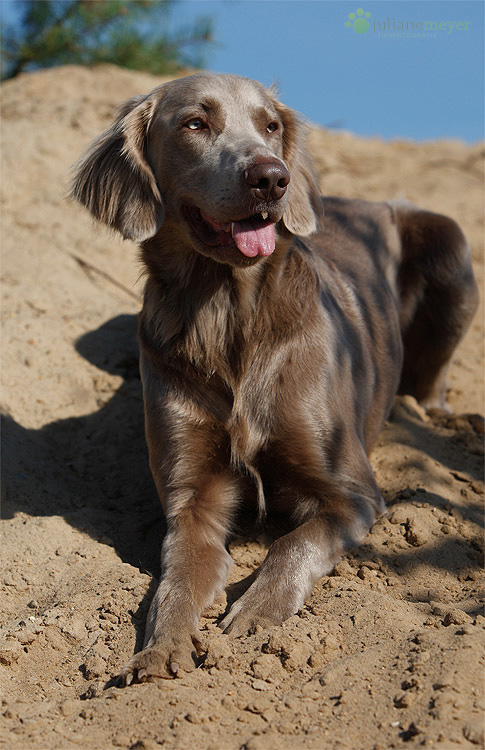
[[388, 653]]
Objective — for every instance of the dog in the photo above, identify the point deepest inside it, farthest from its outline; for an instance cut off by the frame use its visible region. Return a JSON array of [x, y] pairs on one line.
[[277, 327]]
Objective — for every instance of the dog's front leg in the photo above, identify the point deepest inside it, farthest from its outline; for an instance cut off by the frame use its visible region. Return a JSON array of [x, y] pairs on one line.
[[297, 560], [189, 460], [195, 565]]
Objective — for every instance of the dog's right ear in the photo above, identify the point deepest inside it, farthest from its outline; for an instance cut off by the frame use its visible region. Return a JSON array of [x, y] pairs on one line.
[[114, 179]]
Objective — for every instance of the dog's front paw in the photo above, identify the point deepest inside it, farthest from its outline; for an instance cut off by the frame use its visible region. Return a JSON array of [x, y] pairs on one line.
[[161, 661], [256, 609], [237, 624]]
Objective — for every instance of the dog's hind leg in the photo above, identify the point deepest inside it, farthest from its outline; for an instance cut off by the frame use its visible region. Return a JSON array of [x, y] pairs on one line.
[[438, 297]]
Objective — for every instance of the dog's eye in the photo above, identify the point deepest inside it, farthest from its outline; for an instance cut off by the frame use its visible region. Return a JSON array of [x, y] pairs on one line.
[[272, 127], [195, 124]]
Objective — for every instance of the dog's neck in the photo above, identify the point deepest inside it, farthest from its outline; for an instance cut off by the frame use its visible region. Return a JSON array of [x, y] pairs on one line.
[[204, 310]]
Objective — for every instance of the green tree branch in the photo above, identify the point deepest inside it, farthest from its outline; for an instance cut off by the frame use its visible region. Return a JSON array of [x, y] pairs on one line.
[[132, 33]]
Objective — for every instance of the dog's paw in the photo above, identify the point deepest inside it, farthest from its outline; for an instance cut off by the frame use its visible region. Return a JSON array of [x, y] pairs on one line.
[[162, 661], [255, 610], [244, 623]]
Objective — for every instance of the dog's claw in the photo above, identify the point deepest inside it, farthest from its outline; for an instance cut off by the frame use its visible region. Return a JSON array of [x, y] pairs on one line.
[[128, 679], [174, 667]]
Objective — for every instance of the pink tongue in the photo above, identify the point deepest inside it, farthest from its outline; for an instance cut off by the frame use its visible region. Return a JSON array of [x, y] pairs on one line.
[[252, 241]]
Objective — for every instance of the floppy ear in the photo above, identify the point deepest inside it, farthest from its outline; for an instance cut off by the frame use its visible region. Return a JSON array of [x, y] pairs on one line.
[[114, 179], [305, 205]]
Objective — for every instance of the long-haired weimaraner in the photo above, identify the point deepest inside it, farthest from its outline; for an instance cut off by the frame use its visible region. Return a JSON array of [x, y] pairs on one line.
[[277, 327]]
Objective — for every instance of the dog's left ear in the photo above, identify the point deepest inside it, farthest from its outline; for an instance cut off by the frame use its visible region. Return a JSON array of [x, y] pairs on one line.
[[114, 179], [305, 205]]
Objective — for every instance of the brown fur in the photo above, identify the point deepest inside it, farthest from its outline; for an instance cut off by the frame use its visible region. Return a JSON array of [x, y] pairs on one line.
[[266, 379]]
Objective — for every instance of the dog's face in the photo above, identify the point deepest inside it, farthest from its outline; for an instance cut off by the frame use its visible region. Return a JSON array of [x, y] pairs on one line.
[[216, 157], [219, 162]]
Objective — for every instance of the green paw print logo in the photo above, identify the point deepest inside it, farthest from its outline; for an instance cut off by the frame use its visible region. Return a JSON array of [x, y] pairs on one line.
[[358, 21]]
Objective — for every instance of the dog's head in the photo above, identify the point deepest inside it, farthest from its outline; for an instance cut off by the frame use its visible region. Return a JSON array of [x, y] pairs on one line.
[[217, 156]]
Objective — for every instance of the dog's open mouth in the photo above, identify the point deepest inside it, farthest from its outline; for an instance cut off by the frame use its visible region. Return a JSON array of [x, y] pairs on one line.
[[253, 236]]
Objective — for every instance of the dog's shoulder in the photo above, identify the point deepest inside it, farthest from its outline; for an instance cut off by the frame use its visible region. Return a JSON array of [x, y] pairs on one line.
[[358, 237], [356, 217]]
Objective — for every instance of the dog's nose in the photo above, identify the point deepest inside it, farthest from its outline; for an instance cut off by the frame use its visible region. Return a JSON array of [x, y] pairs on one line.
[[267, 180]]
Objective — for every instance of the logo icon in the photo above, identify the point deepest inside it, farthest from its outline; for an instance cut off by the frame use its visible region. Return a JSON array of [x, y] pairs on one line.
[[358, 21]]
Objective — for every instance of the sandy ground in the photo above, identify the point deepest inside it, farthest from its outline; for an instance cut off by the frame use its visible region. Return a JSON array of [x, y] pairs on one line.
[[387, 653]]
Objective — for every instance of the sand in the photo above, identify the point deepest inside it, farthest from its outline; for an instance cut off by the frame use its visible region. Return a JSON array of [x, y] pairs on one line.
[[387, 653]]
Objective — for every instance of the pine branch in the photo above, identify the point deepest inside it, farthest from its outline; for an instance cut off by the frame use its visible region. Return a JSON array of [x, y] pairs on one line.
[[87, 31]]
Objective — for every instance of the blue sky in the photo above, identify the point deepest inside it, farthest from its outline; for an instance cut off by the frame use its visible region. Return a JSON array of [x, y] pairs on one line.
[[423, 82]]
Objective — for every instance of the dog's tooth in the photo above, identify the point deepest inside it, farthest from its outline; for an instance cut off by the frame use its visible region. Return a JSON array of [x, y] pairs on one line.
[[232, 228], [264, 215]]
